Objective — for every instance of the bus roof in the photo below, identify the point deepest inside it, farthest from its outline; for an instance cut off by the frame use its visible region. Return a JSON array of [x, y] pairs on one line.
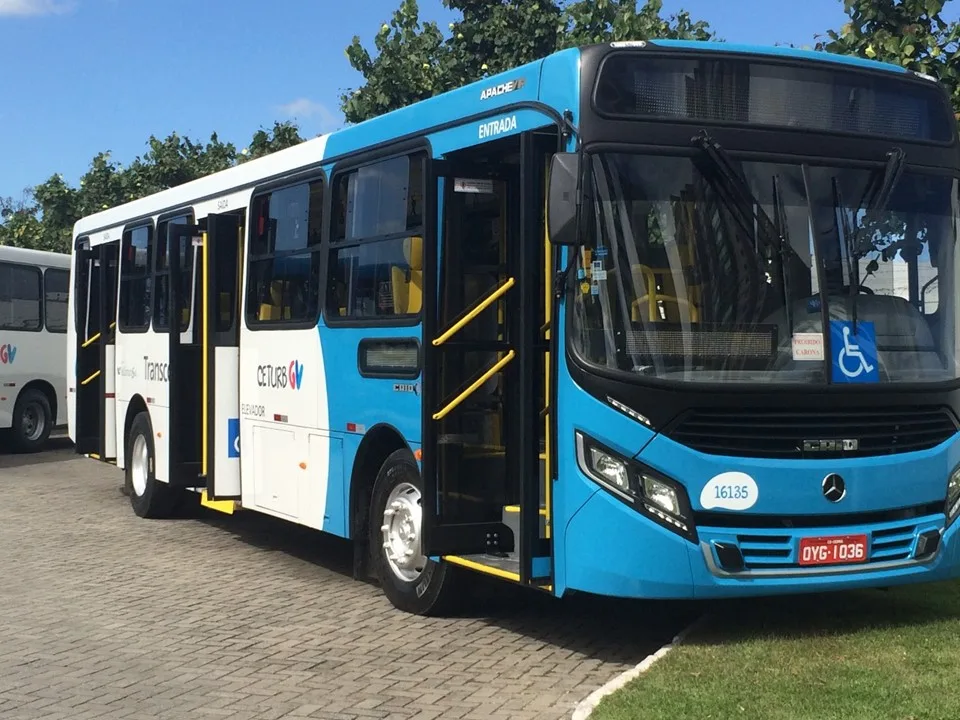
[[780, 51], [418, 117], [29, 256]]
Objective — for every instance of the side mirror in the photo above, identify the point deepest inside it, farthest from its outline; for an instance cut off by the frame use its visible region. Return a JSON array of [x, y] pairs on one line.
[[562, 199]]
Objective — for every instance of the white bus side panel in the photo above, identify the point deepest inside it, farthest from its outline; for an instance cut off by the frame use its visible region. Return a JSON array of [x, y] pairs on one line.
[[31, 356], [110, 402], [285, 448], [142, 371], [227, 430]]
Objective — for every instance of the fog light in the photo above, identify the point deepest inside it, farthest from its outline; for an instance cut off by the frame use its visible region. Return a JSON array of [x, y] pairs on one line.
[[729, 555], [927, 544]]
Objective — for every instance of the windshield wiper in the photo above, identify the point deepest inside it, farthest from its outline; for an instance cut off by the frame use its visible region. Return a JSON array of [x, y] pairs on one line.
[[738, 197], [874, 202]]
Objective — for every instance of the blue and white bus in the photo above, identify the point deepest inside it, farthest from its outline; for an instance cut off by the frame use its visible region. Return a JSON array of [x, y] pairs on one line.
[[643, 319]]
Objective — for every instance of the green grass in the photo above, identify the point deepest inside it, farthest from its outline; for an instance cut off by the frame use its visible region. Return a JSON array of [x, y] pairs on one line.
[[865, 655]]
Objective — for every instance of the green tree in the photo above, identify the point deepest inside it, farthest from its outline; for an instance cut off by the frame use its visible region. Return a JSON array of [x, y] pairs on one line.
[[45, 216], [414, 60], [909, 33]]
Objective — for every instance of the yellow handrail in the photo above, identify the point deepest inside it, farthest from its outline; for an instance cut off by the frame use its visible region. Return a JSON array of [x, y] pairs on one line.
[[477, 383], [91, 341], [205, 351], [490, 299], [91, 378]]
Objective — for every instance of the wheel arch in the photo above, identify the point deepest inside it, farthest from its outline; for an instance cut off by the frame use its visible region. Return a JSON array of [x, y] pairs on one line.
[[48, 391], [136, 406], [377, 445]]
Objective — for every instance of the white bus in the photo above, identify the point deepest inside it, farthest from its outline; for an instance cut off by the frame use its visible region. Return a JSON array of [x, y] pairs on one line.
[[34, 293]]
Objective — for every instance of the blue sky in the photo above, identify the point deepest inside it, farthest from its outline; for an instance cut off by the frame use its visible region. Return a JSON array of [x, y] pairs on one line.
[[84, 76]]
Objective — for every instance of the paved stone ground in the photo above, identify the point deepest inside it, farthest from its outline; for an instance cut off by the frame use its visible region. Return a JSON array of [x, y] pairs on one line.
[[104, 615]]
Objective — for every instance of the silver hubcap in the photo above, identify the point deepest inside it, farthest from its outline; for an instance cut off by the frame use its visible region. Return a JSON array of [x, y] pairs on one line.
[[139, 465], [32, 422], [401, 532]]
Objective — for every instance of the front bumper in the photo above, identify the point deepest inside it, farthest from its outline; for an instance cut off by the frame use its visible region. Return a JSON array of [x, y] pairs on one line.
[[611, 549]]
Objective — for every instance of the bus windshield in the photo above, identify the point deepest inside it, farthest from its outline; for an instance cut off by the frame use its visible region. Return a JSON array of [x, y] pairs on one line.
[[691, 274]]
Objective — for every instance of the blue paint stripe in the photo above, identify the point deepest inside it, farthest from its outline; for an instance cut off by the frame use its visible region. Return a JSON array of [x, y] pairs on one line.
[[774, 51]]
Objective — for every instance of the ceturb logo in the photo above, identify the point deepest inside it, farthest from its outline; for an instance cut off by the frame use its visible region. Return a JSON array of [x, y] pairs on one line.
[[280, 377], [8, 354]]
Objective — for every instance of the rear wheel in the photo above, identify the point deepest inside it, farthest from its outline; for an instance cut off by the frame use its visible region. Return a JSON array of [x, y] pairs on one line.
[[32, 421], [149, 497], [410, 580]]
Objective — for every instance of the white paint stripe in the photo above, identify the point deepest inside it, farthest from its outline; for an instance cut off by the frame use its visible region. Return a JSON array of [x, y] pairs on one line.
[[589, 704]]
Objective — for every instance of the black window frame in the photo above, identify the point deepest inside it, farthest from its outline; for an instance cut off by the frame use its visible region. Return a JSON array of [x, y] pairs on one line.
[[420, 151], [66, 301], [163, 223], [40, 315], [251, 320], [124, 275]]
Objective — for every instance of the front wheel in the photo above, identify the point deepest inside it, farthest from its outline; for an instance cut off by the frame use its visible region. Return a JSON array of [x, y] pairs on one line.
[[410, 580], [32, 421]]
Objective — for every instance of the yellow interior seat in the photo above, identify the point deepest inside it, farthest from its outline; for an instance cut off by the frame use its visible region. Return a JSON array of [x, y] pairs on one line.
[[407, 282], [271, 310]]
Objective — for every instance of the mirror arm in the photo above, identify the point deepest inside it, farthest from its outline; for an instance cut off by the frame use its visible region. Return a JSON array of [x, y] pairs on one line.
[[563, 276]]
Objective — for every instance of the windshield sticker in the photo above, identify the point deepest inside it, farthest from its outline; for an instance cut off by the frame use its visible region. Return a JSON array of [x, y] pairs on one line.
[[808, 346], [854, 352], [730, 491]]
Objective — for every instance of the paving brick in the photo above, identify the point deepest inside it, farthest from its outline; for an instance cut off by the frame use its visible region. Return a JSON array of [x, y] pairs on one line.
[[109, 617]]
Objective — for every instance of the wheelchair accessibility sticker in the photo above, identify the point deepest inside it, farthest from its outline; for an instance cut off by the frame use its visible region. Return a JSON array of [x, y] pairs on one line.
[[233, 437], [854, 353]]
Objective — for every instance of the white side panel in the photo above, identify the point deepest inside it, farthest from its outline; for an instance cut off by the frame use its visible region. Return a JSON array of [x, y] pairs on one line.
[[283, 386], [110, 401], [31, 356], [121, 440], [275, 481], [142, 370], [227, 422], [160, 419]]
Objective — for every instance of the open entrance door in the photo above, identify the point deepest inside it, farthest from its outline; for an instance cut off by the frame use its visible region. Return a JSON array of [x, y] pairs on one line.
[[96, 292], [205, 358], [220, 292], [482, 382], [184, 375]]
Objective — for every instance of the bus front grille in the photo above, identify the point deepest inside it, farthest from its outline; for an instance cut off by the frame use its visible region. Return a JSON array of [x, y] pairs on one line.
[[813, 434]]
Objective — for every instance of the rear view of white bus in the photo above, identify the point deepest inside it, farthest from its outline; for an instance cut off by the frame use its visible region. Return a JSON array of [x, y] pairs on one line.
[[33, 340]]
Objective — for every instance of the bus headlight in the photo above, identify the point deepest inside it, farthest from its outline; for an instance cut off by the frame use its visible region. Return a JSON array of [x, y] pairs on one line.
[[659, 498], [952, 507]]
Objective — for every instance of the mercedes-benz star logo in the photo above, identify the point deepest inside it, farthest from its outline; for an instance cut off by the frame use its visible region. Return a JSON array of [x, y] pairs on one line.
[[834, 488]]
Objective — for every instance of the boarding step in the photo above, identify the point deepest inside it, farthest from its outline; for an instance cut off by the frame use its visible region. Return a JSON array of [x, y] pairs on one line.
[[511, 518]]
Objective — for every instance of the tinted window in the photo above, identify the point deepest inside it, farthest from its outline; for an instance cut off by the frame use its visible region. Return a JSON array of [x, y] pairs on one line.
[[19, 297], [376, 265], [161, 301], [135, 280], [56, 284], [284, 265], [729, 90]]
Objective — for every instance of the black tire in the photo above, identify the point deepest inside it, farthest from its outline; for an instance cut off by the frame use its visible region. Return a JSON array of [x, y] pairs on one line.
[[156, 499], [435, 590], [32, 421]]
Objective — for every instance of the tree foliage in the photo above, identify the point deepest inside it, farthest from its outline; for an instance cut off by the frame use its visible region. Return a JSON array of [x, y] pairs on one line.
[[909, 33], [414, 60], [44, 217]]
